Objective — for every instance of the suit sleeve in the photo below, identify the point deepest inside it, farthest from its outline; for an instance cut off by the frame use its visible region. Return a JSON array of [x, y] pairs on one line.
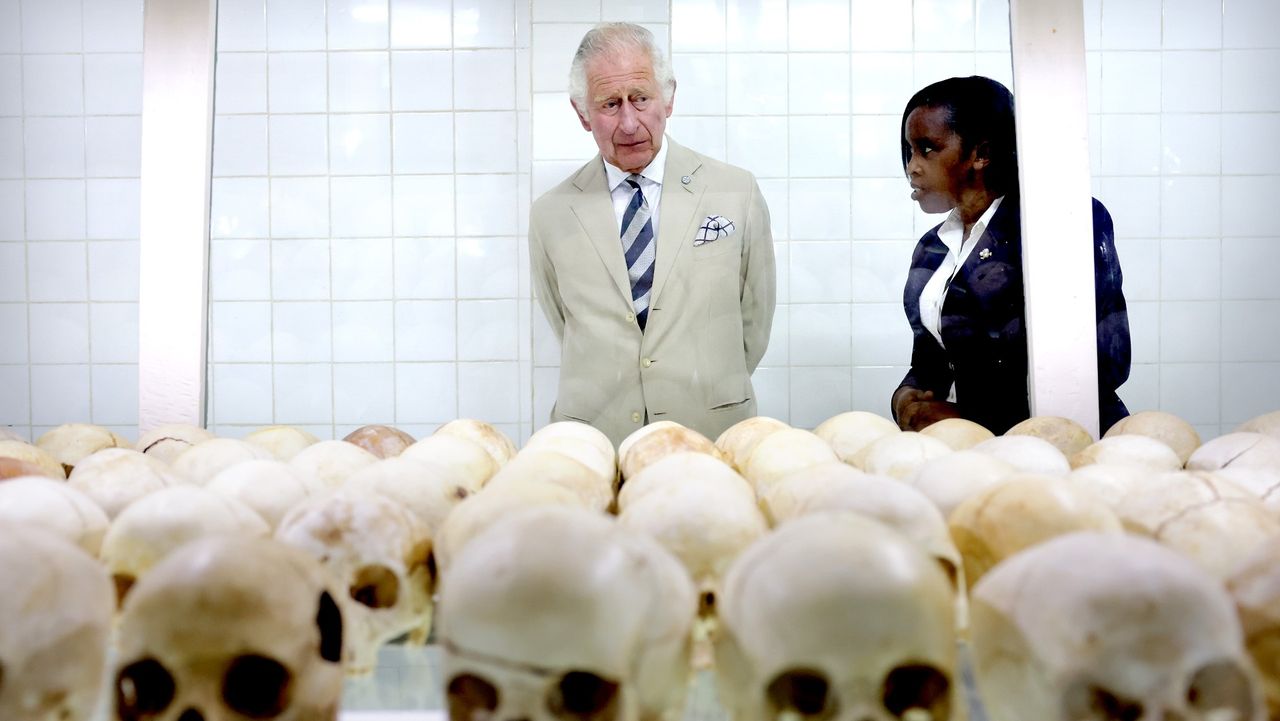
[[545, 285], [758, 281], [930, 370], [1114, 350]]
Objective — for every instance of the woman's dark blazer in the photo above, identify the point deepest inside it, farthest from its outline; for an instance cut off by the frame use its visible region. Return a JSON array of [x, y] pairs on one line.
[[984, 329]]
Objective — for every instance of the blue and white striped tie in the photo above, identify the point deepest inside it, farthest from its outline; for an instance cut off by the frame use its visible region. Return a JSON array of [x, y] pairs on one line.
[[638, 248]]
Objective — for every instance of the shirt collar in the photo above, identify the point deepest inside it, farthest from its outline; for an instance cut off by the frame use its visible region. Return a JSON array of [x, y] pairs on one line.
[[617, 176], [952, 229]]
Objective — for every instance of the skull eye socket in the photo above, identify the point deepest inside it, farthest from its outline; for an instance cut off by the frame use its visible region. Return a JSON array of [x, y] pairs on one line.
[[257, 686], [471, 698], [144, 689], [1089, 702], [801, 691], [917, 686], [376, 586], [1221, 685], [583, 695]]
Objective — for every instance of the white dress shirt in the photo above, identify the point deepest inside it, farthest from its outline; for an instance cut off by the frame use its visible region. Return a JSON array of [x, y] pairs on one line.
[[951, 233], [650, 185]]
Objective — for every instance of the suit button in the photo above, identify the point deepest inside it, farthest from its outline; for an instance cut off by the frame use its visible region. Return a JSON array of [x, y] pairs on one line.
[[635, 417], [646, 362], [631, 317]]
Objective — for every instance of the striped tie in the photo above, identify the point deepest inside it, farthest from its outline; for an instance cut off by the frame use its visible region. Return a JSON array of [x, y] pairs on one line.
[[638, 248]]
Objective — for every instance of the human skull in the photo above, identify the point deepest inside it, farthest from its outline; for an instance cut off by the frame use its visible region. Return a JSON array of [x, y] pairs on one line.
[[1262, 482], [154, 525], [167, 441], [55, 622], [958, 433], [782, 453], [1064, 434], [466, 456], [1108, 627], [1129, 450], [230, 629], [282, 442], [1255, 587], [1020, 512], [738, 440], [15, 468], [1220, 535], [625, 444], [381, 441], [201, 462], [427, 490], [35, 456], [494, 441], [558, 614], [116, 477], [897, 506], [1164, 427], [704, 521], [784, 499], [542, 465], [492, 504], [948, 480], [649, 444], [1108, 483], [600, 461], [1266, 424], [900, 455], [1237, 450], [270, 487], [71, 442], [55, 507], [685, 465], [380, 554], [850, 432], [1151, 500], [573, 429], [836, 616], [1028, 454], [331, 462]]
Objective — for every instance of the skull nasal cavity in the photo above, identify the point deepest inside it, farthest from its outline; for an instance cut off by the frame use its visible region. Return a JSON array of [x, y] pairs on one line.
[[376, 586], [801, 691], [329, 621], [123, 582], [584, 695], [191, 715]]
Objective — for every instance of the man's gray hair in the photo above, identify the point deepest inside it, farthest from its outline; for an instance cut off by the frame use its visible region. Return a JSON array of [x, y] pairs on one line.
[[613, 38]]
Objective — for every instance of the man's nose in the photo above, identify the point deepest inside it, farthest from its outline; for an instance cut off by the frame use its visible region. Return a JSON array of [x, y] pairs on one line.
[[628, 119]]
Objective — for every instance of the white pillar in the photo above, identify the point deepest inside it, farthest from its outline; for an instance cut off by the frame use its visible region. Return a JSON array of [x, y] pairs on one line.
[[1047, 38], [177, 129]]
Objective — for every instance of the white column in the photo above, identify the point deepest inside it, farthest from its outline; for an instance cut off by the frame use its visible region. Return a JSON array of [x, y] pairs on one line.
[[1047, 39], [177, 129]]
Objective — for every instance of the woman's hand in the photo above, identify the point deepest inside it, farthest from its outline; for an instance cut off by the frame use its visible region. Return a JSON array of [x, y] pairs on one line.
[[917, 410]]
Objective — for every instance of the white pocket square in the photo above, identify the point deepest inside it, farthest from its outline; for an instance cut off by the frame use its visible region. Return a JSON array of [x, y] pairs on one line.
[[713, 228]]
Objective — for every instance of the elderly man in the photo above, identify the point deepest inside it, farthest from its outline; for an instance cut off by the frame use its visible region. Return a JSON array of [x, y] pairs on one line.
[[653, 264]]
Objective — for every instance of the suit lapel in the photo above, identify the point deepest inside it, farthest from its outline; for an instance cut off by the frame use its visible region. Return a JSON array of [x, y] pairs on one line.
[[594, 210], [679, 205]]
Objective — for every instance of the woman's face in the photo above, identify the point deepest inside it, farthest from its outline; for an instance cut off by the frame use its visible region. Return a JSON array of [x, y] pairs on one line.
[[939, 171]]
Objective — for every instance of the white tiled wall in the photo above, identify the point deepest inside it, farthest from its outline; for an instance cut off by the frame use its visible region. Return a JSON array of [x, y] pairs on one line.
[[368, 196], [70, 107], [1180, 91]]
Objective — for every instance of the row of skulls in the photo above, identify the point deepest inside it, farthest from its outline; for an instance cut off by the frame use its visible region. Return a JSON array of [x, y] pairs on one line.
[[825, 574]]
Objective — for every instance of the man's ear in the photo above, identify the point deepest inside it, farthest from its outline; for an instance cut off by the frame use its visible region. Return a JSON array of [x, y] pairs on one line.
[[582, 118], [671, 104]]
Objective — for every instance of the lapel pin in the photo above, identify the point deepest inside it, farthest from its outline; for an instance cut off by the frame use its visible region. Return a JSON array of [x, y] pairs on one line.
[[984, 254], [686, 180]]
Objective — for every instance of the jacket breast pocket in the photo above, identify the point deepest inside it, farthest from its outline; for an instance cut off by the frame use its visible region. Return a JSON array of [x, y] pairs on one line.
[[720, 248]]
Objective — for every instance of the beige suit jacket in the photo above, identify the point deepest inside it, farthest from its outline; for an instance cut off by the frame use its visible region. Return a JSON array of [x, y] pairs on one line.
[[710, 311]]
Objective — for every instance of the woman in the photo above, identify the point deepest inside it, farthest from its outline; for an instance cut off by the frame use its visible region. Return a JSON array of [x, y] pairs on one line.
[[963, 295]]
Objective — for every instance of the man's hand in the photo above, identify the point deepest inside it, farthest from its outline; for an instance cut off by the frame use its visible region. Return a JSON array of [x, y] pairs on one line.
[[917, 410]]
